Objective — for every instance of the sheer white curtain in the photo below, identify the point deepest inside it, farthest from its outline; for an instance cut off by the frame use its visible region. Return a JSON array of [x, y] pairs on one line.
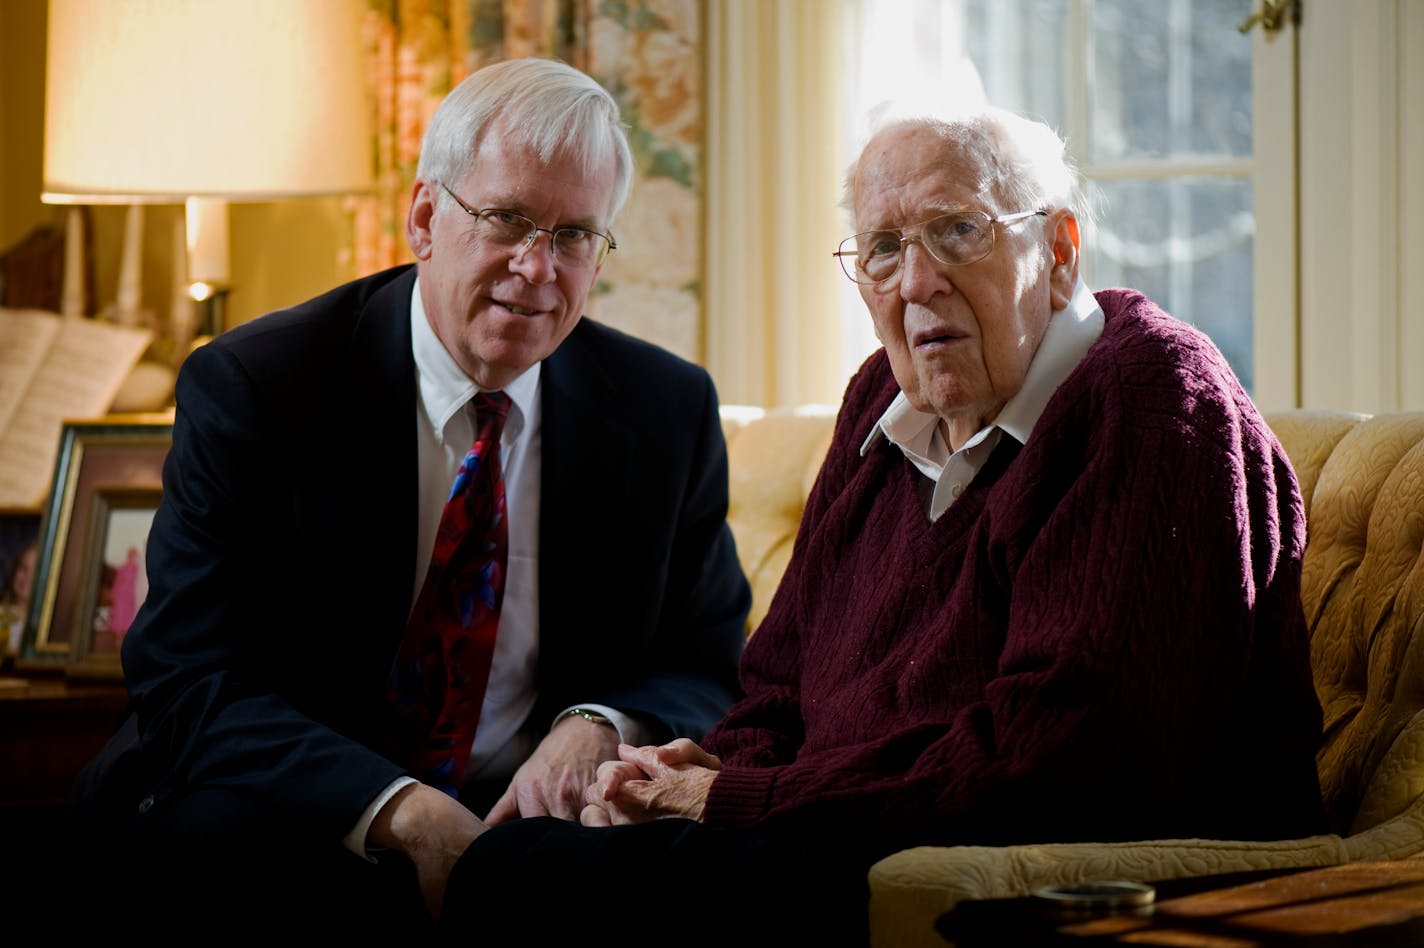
[[773, 182]]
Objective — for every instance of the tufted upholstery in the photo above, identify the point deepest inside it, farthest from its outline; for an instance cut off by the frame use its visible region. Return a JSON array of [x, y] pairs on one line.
[[1362, 480], [773, 458]]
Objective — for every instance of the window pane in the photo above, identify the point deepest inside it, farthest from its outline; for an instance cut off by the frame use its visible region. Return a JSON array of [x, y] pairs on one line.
[[1020, 51], [1170, 78], [1186, 243]]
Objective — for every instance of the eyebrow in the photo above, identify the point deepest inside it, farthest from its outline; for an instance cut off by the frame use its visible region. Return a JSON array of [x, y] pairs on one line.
[[523, 210]]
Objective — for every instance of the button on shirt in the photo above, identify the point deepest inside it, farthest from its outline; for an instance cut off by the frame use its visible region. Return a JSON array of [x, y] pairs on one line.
[[1071, 332]]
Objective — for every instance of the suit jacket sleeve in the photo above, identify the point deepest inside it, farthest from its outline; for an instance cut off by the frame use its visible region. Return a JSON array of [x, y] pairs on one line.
[[643, 599], [279, 579]]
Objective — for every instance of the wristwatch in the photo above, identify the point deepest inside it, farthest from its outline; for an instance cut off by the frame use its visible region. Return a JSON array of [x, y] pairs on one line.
[[587, 715]]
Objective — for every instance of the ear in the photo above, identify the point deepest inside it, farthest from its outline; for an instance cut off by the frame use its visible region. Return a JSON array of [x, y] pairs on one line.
[[1065, 258], [418, 219]]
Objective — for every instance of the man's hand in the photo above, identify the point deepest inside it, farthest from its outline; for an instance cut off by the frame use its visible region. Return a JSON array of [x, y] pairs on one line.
[[552, 781], [650, 783], [430, 827]]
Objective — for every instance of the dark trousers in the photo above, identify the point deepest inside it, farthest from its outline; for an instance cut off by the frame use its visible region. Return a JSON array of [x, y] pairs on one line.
[[548, 882], [213, 866]]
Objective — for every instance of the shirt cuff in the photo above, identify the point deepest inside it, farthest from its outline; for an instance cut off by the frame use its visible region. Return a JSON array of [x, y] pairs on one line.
[[356, 839]]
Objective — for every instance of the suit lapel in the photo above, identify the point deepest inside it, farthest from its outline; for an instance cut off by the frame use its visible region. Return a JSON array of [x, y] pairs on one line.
[[587, 468]]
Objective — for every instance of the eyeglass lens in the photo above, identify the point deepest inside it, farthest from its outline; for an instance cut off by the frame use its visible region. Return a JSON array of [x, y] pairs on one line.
[[572, 245], [956, 239]]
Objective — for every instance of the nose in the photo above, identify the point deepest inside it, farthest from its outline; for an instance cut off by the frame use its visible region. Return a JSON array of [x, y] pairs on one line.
[[535, 260], [921, 275]]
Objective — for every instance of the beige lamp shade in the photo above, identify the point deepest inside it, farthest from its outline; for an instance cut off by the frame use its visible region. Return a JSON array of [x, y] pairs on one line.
[[159, 101]]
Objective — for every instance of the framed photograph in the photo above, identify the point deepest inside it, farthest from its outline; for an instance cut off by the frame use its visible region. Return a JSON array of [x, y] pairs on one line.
[[106, 487], [113, 581], [19, 550]]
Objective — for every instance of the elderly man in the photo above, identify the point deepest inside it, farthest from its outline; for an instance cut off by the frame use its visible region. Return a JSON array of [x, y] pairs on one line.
[[1046, 587]]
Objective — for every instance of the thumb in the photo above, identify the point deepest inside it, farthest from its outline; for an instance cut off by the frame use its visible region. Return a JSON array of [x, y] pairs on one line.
[[504, 809]]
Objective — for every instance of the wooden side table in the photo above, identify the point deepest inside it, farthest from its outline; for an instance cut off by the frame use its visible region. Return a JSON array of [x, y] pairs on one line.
[[49, 729], [1355, 905]]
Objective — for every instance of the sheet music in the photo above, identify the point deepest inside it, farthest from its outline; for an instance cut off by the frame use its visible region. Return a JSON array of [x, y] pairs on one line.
[[25, 337], [76, 374]]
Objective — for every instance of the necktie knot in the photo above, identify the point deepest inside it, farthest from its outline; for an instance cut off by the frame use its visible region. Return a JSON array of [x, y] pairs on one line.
[[491, 410]]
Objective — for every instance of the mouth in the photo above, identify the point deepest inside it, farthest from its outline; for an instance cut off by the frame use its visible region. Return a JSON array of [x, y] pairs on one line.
[[517, 309], [935, 338]]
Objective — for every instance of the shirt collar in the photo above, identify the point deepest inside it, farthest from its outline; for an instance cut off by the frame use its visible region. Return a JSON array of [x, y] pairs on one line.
[[445, 389], [1071, 332]]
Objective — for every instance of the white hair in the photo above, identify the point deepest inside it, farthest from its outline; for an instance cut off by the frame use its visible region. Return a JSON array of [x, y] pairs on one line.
[[543, 104]]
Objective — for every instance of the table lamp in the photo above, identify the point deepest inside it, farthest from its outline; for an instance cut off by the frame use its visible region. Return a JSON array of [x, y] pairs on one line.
[[203, 102]]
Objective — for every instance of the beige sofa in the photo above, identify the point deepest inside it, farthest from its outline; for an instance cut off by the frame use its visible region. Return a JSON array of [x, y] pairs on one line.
[[1362, 479]]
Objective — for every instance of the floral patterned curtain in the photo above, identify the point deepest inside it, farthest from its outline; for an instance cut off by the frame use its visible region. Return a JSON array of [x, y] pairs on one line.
[[648, 53]]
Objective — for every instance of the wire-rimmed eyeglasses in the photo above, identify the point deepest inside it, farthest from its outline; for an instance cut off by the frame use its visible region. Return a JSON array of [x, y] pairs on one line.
[[958, 238], [573, 246]]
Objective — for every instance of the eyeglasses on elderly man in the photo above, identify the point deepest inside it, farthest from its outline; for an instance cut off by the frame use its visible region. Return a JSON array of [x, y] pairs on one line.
[[958, 238]]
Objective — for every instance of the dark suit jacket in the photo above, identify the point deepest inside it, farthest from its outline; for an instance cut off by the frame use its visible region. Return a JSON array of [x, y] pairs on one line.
[[280, 559]]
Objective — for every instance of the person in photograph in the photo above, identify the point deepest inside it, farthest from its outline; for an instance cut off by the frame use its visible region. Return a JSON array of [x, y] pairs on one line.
[[15, 594], [124, 594], [291, 763]]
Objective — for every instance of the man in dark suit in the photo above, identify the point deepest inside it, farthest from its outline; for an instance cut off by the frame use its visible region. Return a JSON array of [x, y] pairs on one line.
[[313, 449]]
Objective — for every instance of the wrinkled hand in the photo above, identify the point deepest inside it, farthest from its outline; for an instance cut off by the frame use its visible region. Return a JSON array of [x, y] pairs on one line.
[[552, 781], [432, 828], [651, 783]]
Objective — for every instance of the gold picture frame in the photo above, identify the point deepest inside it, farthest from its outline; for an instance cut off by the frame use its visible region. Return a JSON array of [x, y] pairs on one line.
[[107, 464]]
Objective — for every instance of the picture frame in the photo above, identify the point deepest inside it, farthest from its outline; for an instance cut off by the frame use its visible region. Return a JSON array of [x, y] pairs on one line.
[[113, 580], [106, 467]]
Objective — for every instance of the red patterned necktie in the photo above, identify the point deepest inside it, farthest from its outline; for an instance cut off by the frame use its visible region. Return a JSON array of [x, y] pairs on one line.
[[437, 684]]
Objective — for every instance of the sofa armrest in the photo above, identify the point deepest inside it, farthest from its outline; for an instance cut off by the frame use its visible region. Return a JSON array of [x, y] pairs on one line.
[[910, 889]]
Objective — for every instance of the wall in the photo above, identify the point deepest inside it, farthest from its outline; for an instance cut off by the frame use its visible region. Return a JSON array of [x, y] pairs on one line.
[[282, 252], [1361, 172], [21, 119]]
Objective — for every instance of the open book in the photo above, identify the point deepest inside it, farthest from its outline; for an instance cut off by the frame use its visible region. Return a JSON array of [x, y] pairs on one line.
[[53, 367]]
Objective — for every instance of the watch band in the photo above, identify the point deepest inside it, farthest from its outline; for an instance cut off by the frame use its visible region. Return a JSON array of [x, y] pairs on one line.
[[587, 715]]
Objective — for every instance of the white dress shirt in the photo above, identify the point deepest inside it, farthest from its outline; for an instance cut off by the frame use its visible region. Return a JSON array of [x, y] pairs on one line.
[[445, 431], [919, 436]]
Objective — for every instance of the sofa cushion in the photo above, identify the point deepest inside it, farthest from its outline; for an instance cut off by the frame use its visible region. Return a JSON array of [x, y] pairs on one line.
[[774, 456], [1362, 480]]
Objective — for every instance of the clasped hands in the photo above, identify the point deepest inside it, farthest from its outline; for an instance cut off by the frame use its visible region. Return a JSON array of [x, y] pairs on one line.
[[650, 783], [643, 783]]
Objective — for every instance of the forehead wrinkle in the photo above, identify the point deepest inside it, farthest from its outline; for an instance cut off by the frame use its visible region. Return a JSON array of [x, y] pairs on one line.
[[904, 163]]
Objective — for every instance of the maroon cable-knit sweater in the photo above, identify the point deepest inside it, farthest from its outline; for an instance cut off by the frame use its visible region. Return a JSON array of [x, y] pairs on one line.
[[1101, 639]]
